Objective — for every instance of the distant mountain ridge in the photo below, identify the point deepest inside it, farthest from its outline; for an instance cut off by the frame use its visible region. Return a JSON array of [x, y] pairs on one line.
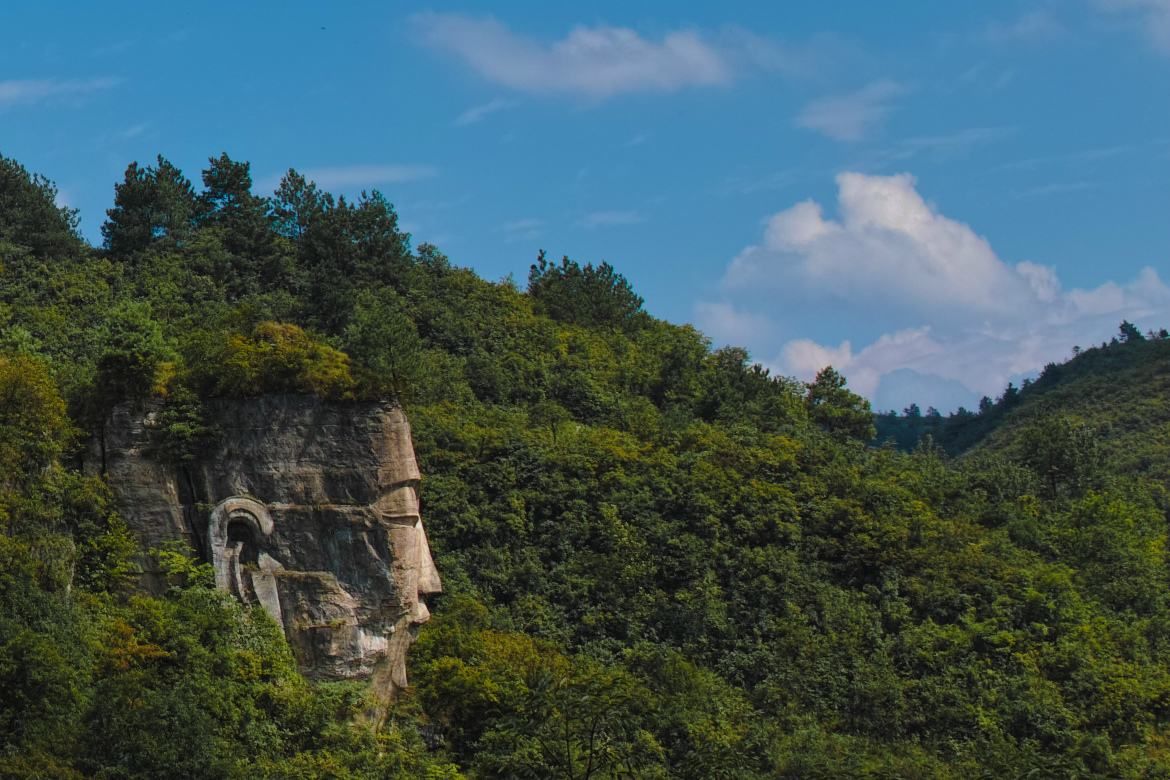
[[1120, 390]]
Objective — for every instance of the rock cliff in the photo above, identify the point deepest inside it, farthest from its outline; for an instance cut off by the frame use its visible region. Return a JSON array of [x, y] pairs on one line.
[[305, 507]]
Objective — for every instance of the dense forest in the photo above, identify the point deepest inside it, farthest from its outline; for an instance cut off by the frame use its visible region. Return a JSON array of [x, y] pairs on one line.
[[659, 560], [1118, 390]]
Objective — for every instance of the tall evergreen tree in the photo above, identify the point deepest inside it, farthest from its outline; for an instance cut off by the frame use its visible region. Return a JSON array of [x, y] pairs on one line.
[[296, 203], [244, 225], [838, 410], [346, 248], [586, 295], [30, 215], [151, 204]]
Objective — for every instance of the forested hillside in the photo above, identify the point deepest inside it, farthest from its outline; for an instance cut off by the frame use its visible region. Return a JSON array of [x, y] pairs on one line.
[[1116, 396], [658, 560]]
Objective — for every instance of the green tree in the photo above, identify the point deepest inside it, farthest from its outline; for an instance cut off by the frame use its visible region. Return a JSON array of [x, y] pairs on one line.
[[180, 433], [586, 295], [275, 357], [244, 225], [1065, 453], [34, 429], [551, 415], [583, 725], [296, 203], [347, 248], [134, 355], [1129, 333], [513, 706], [31, 217], [383, 343], [837, 409], [151, 204]]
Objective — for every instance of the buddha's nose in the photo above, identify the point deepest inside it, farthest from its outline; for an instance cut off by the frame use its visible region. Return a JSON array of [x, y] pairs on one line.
[[420, 614]]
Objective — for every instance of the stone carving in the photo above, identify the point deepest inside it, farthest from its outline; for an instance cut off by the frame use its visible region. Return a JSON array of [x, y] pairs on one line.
[[309, 509], [236, 533]]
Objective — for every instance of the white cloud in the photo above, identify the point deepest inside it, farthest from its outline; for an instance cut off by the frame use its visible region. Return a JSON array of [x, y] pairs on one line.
[[852, 116], [902, 349], [351, 176], [985, 361], [888, 242], [611, 219], [596, 62], [822, 56], [952, 308], [17, 92], [1034, 26], [1041, 279], [1153, 17], [805, 357], [478, 113], [727, 325]]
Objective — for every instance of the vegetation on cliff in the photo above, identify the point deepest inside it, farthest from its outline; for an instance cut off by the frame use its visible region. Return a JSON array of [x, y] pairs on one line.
[[660, 561]]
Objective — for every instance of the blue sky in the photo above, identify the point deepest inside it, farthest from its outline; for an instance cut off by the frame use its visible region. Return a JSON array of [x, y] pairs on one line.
[[937, 198]]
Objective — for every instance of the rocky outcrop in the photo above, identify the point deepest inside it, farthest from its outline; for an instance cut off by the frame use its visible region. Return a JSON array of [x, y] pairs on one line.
[[306, 508]]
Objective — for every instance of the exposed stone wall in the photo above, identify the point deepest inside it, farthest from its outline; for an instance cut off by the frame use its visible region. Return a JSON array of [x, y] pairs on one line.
[[307, 508]]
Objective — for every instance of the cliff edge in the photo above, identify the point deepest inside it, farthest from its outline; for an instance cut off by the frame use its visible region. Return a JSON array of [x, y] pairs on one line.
[[307, 508]]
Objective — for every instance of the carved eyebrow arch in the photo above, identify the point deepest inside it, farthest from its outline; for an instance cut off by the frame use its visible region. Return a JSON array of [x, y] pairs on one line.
[[409, 520]]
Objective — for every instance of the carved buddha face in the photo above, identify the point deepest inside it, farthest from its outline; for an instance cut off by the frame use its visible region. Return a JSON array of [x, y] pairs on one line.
[[334, 550], [414, 569]]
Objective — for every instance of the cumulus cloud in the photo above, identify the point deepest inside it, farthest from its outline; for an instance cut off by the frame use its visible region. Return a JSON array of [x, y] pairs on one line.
[[888, 241], [805, 357], [981, 360], [902, 349], [596, 62], [728, 325], [852, 116], [960, 313], [16, 92]]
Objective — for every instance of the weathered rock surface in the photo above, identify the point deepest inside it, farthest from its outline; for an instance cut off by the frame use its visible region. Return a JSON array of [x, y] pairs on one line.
[[305, 507]]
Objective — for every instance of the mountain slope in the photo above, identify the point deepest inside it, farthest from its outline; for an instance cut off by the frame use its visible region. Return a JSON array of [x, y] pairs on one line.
[[658, 560], [1120, 390]]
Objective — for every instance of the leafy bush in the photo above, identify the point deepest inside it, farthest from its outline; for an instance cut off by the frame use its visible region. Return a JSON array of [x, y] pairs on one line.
[[274, 358]]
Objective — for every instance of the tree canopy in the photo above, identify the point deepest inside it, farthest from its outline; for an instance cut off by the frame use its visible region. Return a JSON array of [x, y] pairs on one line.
[[659, 559], [584, 295], [31, 216]]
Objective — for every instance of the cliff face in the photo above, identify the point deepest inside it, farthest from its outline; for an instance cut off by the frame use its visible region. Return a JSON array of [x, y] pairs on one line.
[[304, 507]]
